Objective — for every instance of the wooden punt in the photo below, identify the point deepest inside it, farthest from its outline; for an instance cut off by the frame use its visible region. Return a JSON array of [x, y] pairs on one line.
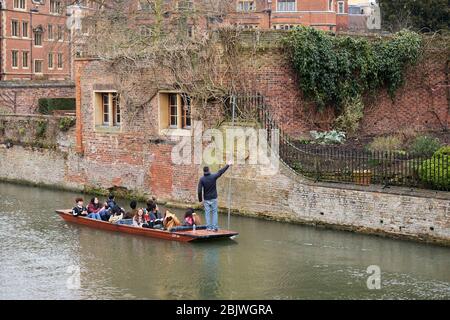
[[181, 236]]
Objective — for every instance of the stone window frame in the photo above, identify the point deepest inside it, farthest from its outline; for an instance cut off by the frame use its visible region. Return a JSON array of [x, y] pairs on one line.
[[27, 53], [17, 29], [42, 66], [251, 4], [16, 5], [25, 30], [114, 121], [295, 6], [16, 51], [164, 114], [339, 3], [60, 61], [50, 60]]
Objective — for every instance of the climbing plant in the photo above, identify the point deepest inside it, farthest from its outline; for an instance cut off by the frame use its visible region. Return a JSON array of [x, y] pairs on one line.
[[334, 70]]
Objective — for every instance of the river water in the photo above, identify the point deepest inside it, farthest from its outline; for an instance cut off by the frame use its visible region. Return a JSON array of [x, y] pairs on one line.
[[41, 255]]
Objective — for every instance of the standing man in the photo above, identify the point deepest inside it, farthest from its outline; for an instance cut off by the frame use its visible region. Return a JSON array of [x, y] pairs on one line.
[[207, 192]]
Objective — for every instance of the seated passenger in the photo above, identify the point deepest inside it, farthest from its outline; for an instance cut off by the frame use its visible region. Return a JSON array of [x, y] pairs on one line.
[[133, 212], [154, 217], [105, 212], [93, 209], [79, 209], [138, 219], [116, 215], [170, 220], [113, 205], [191, 218]]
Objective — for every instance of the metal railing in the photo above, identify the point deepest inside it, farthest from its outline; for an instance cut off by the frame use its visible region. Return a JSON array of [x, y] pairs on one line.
[[331, 163]]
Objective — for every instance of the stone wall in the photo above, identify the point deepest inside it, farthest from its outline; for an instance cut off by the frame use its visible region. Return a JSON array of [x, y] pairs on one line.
[[21, 97], [395, 212]]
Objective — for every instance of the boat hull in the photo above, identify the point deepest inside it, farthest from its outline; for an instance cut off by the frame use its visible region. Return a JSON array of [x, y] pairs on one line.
[[180, 236]]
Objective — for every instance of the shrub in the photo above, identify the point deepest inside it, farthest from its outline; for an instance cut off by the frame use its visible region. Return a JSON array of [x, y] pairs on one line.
[[350, 117], [328, 137], [424, 145], [48, 105], [436, 171], [41, 128], [388, 143], [66, 123]]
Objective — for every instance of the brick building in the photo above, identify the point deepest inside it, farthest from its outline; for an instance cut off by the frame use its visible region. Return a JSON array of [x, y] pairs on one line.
[[286, 14], [34, 41]]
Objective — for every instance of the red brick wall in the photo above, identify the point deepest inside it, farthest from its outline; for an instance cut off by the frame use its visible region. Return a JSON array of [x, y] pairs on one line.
[[22, 97], [20, 43], [422, 103]]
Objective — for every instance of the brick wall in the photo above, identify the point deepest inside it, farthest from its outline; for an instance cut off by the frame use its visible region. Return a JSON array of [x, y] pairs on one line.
[[422, 103], [22, 97]]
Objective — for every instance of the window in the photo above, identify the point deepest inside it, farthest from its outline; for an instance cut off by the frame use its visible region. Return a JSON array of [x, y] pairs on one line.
[[15, 31], [330, 5], [15, 58], [55, 6], [50, 32], [185, 4], [173, 110], [37, 66], [107, 109], [60, 61], [25, 29], [284, 26], [286, 5], [246, 6], [50, 60], [248, 26], [38, 38], [341, 7], [25, 59], [19, 4], [60, 33], [185, 111]]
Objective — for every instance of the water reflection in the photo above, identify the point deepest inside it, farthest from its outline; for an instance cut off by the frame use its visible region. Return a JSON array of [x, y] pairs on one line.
[[268, 260]]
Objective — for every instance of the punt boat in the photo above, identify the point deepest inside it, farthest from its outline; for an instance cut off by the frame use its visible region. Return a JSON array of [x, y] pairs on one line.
[[181, 236]]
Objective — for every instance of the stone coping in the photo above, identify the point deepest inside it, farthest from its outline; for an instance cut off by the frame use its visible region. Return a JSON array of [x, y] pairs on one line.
[[36, 84]]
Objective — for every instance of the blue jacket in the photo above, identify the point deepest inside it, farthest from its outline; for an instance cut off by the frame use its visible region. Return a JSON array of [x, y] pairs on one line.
[[207, 184]]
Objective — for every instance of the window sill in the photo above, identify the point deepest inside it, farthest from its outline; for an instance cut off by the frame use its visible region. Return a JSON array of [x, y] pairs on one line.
[[176, 132], [107, 129]]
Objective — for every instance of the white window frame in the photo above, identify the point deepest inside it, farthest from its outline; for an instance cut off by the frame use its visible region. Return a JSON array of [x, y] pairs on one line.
[[55, 7], [164, 115], [17, 5], [339, 7], [17, 58], [295, 6], [50, 32], [25, 30], [27, 53], [60, 61], [42, 66], [17, 23], [50, 61], [34, 39], [250, 8], [114, 121], [60, 33]]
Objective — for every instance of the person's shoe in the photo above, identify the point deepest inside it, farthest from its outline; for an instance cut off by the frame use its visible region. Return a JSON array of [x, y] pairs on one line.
[[215, 229]]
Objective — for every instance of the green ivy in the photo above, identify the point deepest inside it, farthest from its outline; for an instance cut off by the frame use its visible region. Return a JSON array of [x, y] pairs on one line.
[[335, 69], [66, 123]]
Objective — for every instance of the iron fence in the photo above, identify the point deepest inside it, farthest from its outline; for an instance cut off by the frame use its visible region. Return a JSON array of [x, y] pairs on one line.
[[337, 164]]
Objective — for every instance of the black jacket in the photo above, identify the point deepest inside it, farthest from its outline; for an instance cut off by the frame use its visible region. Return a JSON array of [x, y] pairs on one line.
[[78, 211], [207, 184]]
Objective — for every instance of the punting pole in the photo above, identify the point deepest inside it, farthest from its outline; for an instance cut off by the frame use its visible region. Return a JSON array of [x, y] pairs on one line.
[[233, 103]]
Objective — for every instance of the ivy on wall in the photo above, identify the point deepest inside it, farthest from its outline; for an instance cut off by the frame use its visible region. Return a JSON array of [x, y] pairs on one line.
[[334, 70]]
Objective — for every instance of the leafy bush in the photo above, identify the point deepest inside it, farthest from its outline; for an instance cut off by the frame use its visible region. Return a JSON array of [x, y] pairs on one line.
[[66, 123], [328, 137], [424, 145], [48, 105], [436, 171], [388, 143], [41, 128], [334, 69], [352, 114]]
